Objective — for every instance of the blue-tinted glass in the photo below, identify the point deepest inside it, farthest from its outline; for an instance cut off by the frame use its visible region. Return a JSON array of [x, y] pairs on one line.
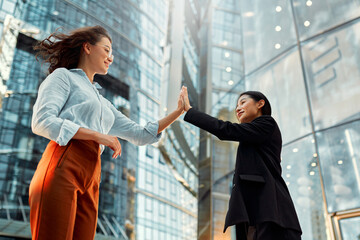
[[332, 63], [340, 167], [313, 17]]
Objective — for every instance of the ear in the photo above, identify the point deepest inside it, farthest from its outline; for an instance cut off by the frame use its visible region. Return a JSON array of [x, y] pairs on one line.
[[86, 47], [260, 103]]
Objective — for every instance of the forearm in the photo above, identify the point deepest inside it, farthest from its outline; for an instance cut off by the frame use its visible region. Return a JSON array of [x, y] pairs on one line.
[[87, 134], [169, 119]]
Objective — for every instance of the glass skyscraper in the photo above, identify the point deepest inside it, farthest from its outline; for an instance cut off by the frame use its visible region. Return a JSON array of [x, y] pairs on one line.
[[149, 192], [303, 55]]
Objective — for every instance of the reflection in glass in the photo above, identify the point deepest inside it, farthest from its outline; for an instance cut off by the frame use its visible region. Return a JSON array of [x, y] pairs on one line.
[[282, 83], [350, 228], [339, 157], [313, 17], [333, 73], [301, 173], [268, 30]]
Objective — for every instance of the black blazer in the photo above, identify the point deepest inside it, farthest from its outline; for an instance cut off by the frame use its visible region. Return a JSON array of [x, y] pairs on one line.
[[259, 193]]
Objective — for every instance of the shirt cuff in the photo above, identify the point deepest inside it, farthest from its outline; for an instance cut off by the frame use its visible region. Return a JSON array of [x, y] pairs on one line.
[[67, 132], [152, 128]]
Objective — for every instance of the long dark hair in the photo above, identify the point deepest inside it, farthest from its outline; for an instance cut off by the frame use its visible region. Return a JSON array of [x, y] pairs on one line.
[[63, 50], [257, 96]]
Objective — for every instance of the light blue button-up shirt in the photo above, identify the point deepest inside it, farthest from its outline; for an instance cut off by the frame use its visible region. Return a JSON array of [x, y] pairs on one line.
[[67, 101]]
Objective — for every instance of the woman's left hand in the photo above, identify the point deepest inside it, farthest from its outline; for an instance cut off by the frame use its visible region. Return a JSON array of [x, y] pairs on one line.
[[181, 103]]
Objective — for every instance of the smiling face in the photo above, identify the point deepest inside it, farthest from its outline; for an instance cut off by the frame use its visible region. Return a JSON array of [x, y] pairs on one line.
[[248, 109], [100, 56]]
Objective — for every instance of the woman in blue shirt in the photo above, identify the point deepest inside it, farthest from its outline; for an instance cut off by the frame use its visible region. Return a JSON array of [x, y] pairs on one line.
[[69, 110]]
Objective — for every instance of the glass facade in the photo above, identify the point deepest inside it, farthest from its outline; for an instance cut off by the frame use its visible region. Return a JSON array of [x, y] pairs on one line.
[[303, 55], [221, 74], [149, 192]]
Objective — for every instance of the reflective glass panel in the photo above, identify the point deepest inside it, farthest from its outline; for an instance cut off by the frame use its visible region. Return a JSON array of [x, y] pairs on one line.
[[282, 83], [313, 17], [332, 64], [268, 30], [339, 157], [350, 228], [301, 174]]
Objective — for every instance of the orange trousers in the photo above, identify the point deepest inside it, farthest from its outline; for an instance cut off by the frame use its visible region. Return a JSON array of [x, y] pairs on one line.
[[64, 192]]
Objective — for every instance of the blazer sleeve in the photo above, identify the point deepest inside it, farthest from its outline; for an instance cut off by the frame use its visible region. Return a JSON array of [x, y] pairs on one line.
[[257, 131]]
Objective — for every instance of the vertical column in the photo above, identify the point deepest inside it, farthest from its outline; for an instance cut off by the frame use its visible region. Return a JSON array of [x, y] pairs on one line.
[[205, 161], [176, 57]]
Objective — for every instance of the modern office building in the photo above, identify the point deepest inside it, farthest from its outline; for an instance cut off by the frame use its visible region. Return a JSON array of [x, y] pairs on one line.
[[167, 176], [150, 192], [304, 56]]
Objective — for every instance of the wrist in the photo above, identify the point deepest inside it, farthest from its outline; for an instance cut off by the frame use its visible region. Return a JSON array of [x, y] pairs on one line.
[[187, 108], [96, 136], [179, 110]]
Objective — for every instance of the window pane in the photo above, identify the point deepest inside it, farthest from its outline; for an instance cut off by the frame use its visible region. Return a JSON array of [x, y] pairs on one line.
[[313, 17], [332, 65], [338, 152], [301, 174], [350, 228], [283, 84], [268, 29]]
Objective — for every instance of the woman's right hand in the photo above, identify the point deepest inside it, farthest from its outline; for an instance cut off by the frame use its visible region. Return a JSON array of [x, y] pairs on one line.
[[106, 140], [110, 141], [184, 94]]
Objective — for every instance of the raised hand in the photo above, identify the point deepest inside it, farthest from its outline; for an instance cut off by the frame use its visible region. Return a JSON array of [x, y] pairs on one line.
[[185, 97], [181, 103]]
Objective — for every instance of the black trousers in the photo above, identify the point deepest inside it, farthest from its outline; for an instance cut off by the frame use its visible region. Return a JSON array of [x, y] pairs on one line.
[[265, 231]]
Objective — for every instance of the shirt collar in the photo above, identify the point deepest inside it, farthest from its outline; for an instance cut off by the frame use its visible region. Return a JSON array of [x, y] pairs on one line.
[[95, 84], [80, 71]]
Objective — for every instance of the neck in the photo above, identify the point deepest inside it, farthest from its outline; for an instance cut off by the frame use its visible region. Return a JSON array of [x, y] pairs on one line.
[[89, 73], [258, 115]]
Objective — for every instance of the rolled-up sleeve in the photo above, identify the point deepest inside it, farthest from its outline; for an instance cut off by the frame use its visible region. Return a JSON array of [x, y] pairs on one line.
[[129, 130], [52, 96]]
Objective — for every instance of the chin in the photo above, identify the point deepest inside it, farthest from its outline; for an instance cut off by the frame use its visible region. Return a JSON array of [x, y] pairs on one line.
[[103, 72]]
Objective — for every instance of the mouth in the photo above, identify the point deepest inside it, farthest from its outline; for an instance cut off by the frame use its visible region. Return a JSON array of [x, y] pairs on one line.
[[107, 64], [240, 113]]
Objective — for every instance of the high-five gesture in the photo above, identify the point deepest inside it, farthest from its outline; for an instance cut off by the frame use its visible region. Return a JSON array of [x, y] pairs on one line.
[[169, 119], [184, 94]]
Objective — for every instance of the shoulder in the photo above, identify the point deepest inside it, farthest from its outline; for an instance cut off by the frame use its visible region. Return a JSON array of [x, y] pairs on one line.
[[265, 118], [62, 73], [59, 76], [265, 121]]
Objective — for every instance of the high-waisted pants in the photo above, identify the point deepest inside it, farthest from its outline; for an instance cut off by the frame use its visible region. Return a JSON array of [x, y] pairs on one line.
[[64, 192]]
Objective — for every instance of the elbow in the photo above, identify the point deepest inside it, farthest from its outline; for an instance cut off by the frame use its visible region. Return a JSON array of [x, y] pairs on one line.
[[143, 143], [35, 127], [147, 141]]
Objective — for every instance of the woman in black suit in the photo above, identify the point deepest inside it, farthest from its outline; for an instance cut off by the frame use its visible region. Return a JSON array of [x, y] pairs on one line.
[[260, 204]]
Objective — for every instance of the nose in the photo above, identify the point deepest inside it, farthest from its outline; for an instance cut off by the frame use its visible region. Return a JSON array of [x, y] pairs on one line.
[[111, 59]]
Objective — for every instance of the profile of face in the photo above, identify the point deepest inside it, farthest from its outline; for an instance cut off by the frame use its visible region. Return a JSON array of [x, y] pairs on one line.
[[99, 56], [247, 109]]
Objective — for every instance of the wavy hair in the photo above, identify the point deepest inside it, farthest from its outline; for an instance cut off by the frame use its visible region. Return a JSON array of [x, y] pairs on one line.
[[63, 50]]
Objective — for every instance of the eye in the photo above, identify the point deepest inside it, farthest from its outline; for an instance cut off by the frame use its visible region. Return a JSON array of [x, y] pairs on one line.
[[107, 50]]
